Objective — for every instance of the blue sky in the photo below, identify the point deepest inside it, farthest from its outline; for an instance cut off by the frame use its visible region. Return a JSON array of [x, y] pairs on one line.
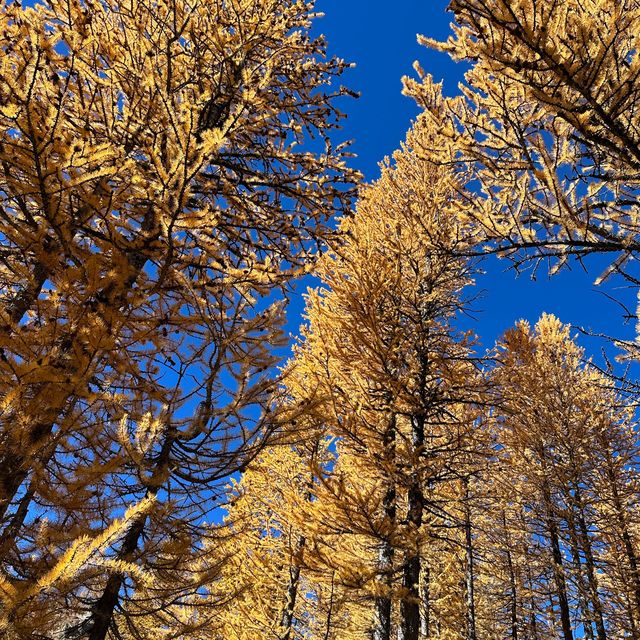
[[380, 38]]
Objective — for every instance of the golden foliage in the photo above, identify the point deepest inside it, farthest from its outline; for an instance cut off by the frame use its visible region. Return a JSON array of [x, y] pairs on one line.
[[546, 126]]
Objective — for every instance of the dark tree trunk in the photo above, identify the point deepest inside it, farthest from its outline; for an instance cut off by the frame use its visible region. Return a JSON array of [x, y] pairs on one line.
[[292, 590], [382, 625], [470, 568], [296, 562], [513, 606], [410, 604], [103, 609], [558, 567], [585, 543], [16, 521], [327, 632], [579, 573], [25, 299]]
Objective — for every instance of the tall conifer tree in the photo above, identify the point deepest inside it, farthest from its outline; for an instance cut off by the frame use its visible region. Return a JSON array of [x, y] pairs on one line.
[[560, 427], [386, 373]]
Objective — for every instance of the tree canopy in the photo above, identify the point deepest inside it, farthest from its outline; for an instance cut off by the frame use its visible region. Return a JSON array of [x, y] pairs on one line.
[[167, 170]]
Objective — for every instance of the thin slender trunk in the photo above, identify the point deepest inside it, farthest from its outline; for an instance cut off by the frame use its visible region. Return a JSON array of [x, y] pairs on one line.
[[17, 458], [292, 590], [296, 561], [585, 543], [410, 603], [426, 603], [50, 402], [12, 528], [327, 632], [558, 567], [620, 515], [533, 621], [579, 572], [561, 584], [513, 608], [470, 567], [382, 623]]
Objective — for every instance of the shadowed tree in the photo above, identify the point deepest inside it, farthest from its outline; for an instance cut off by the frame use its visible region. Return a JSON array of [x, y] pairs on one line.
[[154, 201]]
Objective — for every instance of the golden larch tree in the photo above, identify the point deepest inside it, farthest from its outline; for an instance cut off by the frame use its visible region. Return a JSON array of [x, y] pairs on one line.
[[155, 194], [384, 371], [546, 131], [560, 427]]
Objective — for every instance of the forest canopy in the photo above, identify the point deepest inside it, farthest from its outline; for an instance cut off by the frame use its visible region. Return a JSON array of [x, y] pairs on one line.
[[169, 170]]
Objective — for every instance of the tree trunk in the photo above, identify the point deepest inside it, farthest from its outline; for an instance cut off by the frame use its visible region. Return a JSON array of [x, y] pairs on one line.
[[585, 543], [382, 623], [410, 603], [12, 528], [470, 568], [26, 297], [296, 561], [513, 607], [533, 622], [558, 568], [426, 603], [103, 608], [292, 590], [327, 632], [579, 573]]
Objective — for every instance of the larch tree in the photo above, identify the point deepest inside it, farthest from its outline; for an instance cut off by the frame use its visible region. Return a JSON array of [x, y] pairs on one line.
[[285, 592], [155, 195], [560, 427], [158, 192], [265, 549], [387, 374], [546, 131]]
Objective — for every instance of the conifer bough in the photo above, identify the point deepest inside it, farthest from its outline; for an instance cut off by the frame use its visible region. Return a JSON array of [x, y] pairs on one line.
[[546, 129]]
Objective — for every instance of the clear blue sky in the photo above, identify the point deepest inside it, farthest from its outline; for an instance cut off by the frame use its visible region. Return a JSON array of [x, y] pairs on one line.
[[380, 37]]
